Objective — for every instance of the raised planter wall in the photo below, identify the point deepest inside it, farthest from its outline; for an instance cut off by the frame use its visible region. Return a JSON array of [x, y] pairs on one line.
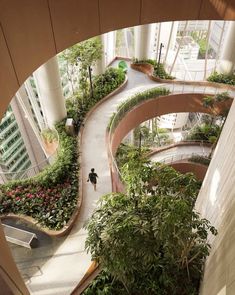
[[148, 70], [197, 169], [152, 108], [162, 105]]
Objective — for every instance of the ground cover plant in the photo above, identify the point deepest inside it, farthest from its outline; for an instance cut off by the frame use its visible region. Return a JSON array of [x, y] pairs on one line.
[[159, 70], [51, 196], [149, 240], [49, 135], [222, 78]]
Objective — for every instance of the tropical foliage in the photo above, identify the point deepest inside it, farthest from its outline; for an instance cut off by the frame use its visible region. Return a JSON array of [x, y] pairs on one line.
[[133, 101], [151, 137], [222, 78], [149, 239], [204, 132], [159, 70], [103, 84], [51, 196], [84, 54]]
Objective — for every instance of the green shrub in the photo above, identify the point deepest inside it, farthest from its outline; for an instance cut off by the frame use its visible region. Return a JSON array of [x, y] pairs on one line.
[[204, 132], [200, 159], [159, 70], [49, 135], [133, 101], [107, 82], [222, 78], [104, 84], [105, 284], [139, 237], [51, 196]]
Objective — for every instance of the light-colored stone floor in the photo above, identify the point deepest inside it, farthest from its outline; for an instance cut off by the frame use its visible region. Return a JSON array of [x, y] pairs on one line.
[[58, 264]]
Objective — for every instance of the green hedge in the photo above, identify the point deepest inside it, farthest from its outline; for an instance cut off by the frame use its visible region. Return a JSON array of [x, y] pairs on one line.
[[133, 101], [200, 159]]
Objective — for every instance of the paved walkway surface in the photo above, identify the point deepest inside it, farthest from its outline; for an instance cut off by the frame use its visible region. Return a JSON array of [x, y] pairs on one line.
[[58, 264]]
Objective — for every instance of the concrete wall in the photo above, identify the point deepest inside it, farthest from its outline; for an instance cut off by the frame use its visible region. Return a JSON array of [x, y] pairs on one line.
[[216, 202]]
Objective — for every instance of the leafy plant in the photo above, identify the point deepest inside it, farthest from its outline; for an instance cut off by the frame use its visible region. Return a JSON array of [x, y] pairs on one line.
[[49, 135], [104, 84], [151, 138], [159, 70], [200, 159], [203, 132], [133, 101], [85, 54], [150, 239], [222, 78], [51, 196], [107, 82]]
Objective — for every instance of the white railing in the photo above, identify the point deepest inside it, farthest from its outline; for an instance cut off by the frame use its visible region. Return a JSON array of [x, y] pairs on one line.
[[175, 158]]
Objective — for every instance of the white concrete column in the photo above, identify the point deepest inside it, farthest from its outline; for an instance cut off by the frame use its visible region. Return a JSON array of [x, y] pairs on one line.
[[99, 67], [48, 83], [110, 47], [216, 202], [227, 62], [142, 41]]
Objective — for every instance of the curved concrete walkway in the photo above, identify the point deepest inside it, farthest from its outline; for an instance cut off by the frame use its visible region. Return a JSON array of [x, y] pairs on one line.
[[178, 153], [57, 267]]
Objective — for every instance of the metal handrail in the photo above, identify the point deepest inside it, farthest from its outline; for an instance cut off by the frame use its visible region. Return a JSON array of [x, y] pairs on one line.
[[174, 158]]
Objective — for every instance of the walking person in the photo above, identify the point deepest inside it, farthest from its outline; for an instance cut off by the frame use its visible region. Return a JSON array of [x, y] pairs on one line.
[[93, 178]]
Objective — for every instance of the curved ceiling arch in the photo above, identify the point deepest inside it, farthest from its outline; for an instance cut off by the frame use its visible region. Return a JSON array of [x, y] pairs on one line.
[[31, 32]]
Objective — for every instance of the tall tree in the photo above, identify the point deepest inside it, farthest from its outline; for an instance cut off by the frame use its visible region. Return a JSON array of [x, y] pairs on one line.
[[85, 54]]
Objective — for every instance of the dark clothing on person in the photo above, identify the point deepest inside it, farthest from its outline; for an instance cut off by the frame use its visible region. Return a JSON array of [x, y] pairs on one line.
[[92, 177]]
